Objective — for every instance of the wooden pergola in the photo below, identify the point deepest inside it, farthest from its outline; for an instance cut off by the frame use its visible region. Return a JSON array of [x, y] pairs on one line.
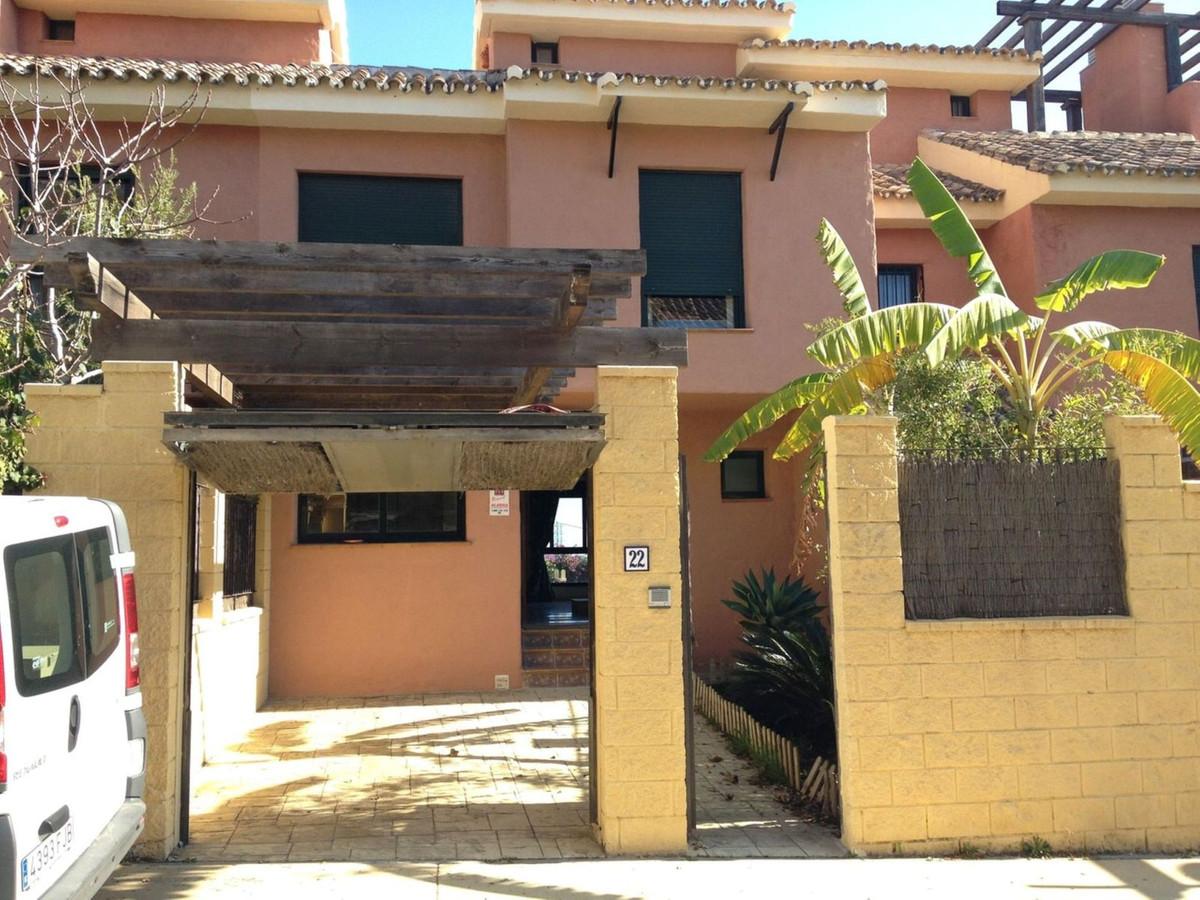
[[348, 326], [344, 367], [1066, 33]]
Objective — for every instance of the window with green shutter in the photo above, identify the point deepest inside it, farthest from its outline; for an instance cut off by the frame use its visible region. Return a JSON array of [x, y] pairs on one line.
[[691, 225], [369, 209]]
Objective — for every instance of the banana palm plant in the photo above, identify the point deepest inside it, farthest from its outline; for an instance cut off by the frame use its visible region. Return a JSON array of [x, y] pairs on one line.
[[1033, 364]]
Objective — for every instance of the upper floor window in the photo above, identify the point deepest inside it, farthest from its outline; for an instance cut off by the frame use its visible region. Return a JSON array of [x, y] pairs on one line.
[[900, 284], [691, 226], [382, 518], [960, 107], [60, 29], [545, 54], [367, 209]]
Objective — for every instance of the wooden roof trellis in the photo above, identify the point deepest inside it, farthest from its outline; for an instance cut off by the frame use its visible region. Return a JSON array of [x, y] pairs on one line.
[[347, 326], [1083, 25]]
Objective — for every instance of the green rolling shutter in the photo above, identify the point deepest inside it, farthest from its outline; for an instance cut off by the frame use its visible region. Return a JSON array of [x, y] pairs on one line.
[[365, 209], [691, 225]]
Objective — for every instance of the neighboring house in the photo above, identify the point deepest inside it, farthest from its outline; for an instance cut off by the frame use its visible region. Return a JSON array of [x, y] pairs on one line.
[[614, 125]]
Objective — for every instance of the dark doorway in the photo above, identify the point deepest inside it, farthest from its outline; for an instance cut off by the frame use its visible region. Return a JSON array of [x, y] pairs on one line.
[[557, 556]]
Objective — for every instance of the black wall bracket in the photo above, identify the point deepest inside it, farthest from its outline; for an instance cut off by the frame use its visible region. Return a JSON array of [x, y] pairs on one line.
[[779, 129], [614, 123]]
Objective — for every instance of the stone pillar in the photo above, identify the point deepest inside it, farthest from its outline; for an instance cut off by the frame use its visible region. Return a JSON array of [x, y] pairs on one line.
[[641, 762], [107, 442], [866, 604]]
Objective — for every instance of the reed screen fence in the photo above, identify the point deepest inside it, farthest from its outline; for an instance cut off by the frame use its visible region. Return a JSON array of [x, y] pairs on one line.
[[1005, 534]]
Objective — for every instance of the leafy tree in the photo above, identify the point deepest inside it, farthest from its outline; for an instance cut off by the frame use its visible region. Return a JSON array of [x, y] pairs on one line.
[[1032, 367]]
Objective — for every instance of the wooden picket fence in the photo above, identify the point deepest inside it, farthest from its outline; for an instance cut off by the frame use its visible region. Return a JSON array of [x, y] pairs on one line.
[[817, 783]]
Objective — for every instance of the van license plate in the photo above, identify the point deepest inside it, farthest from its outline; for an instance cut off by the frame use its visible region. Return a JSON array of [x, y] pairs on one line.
[[46, 856]]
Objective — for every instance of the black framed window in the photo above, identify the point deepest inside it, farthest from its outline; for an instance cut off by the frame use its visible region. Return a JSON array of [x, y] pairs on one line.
[[900, 284], [370, 209], [1196, 276], [743, 476], [416, 517], [960, 107], [691, 230], [43, 591], [545, 53], [60, 29], [61, 186]]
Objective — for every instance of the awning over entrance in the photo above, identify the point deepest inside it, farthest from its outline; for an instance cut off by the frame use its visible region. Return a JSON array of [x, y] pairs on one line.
[[346, 367], [330, 452]]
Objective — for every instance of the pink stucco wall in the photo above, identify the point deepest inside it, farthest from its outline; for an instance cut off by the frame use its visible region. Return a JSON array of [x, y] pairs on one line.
[[1065, 236], [946, 278], [1125, 88], [787, 285], [1183, 108], [1011, 245], [730, 537], [9, 27], [203, 40], [648, 57], [910, 110], [375, 619]]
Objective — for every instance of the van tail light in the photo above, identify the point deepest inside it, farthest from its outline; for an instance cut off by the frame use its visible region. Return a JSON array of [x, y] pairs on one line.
[[133, 674]]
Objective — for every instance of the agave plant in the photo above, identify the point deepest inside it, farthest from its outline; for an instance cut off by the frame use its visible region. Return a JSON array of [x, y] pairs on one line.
[[785, 674], [1033, 364], [769, 602]]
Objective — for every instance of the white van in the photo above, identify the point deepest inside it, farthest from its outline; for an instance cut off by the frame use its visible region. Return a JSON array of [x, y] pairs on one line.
[[72, 733]]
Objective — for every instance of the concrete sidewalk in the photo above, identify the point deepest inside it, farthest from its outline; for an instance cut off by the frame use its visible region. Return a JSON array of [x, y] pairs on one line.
[[848, 879]]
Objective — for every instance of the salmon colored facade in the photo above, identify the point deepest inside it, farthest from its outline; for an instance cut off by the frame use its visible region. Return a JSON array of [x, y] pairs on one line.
[[532, 153]]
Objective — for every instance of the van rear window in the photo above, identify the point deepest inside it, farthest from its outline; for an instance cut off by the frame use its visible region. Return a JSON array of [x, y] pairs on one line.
[[102, 618], [43, 595]]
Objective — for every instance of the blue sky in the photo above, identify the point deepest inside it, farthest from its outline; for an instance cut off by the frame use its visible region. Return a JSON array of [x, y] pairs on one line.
[[437, 33]]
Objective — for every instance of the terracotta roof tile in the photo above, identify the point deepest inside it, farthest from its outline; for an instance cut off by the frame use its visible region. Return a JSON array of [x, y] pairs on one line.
[[704, 82], [1091, 152], [879, 46], [384, 78], [891, 183]]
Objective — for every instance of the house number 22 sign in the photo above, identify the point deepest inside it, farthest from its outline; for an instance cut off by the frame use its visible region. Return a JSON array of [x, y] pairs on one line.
[[637, 559]]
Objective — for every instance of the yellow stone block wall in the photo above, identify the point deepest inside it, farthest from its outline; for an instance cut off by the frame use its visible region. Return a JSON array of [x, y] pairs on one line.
[[639, 680], [262, 594], [106, 442], [1082, 731]]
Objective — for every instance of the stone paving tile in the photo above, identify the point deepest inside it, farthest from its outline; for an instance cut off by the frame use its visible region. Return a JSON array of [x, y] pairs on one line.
[[736, 818], [427, 778], [445, 777]]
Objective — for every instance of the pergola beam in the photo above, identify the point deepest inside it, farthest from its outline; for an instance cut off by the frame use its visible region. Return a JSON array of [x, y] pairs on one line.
[[95, 287], [1032, 9], [287, 346], [1084, 48], [211, 383], [121, 253], [571, 308]]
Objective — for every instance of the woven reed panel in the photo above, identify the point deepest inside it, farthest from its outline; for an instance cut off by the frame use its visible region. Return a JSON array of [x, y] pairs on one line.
[[263, 468], [527, 466], [1006, 538]]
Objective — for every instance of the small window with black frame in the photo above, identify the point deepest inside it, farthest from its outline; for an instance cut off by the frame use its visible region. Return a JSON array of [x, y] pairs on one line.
[[416, 517], [960, 107], [567, 554], [743, 476], [545, 53], [60, 29], [900, 284]]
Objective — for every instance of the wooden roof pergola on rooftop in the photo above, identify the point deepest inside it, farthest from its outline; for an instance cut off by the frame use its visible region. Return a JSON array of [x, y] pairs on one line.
[[347, 326], [1036, 25], [365, 367]]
